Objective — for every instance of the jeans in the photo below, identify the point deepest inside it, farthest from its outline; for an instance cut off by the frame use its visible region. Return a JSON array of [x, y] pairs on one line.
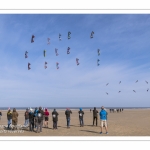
[[68, 122], [9, 122], [81, 121], [26, 122]]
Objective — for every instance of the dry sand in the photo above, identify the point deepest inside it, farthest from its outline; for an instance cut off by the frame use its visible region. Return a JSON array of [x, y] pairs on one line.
[[127, 123]]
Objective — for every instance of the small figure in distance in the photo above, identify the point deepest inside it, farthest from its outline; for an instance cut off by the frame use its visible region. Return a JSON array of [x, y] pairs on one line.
[[9, 118], [46, 118], [55, 118], [40, 115], [103, 118], [26, 114], [15, 118], [31, 120], [81, 113], [95, 112], [67, 113]]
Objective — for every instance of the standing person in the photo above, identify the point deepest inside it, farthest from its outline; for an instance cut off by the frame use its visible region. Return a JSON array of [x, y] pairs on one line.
[[14, 118], [103, 118], [81, 113], [26, 114], [0, 115], [95, 117], [31, 120], [40, 119], [55, 118], [9, 118], [46, 114], [35, 117], [67, 113]]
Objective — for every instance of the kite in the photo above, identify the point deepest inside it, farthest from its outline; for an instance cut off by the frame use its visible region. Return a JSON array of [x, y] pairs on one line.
[[69, 35], [98, 62], [59, 37], [29, 66], [106, 93], [68, 52], [56, 51], [119, 82], [107, 84], [32, 38], [92, 34], [44, 52], [57, 65], [48, 39], [134, 91], [26, 56], [119, 91], [98, 51], [77, 61], [147, 90], [45, 65], [146, 82], [136, 81]]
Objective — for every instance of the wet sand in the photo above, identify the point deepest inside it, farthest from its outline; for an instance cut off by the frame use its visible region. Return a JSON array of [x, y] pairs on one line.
[[135, 122]]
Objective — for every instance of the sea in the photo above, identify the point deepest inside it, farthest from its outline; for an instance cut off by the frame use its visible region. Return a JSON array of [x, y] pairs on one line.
[[73, 108]]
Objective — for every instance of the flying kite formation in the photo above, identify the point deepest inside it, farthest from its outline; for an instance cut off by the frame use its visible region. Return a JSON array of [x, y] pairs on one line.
[[68, 52]]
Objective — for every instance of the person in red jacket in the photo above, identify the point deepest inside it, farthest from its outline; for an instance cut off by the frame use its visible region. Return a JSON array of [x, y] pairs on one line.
[[46, 113]]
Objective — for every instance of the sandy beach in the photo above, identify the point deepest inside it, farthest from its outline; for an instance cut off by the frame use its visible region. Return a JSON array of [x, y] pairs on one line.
[[130, 122]]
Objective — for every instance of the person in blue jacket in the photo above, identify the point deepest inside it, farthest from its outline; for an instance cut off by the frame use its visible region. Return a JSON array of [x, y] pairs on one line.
[[103, 118]]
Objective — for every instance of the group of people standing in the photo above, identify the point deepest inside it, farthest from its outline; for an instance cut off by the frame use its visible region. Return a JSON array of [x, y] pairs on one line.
[[36, 119]]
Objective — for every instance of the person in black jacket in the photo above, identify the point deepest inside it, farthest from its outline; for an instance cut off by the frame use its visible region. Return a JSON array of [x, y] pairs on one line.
[[55, 118], [31, 120], [81, 113], [67, 113], [95, 116]]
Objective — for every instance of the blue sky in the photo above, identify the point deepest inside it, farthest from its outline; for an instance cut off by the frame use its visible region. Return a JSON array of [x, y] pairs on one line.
[[123, 40]]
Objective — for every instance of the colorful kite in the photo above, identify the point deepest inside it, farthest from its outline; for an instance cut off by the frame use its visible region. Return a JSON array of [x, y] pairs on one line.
[[48, 39], [69, 35], [26, 56], [29, 66], [45, 65], [59, 37], [68, 50], [77, 61], [57, 65], [92, 34], [98, 62], [32, 38], [98, 51], [56, 51], [44, 52]]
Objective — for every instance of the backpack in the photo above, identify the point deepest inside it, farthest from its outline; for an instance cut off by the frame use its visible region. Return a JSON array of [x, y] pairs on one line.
[[40, 117]]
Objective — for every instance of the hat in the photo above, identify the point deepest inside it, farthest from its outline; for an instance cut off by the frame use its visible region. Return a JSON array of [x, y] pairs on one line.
[[102, 107]]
